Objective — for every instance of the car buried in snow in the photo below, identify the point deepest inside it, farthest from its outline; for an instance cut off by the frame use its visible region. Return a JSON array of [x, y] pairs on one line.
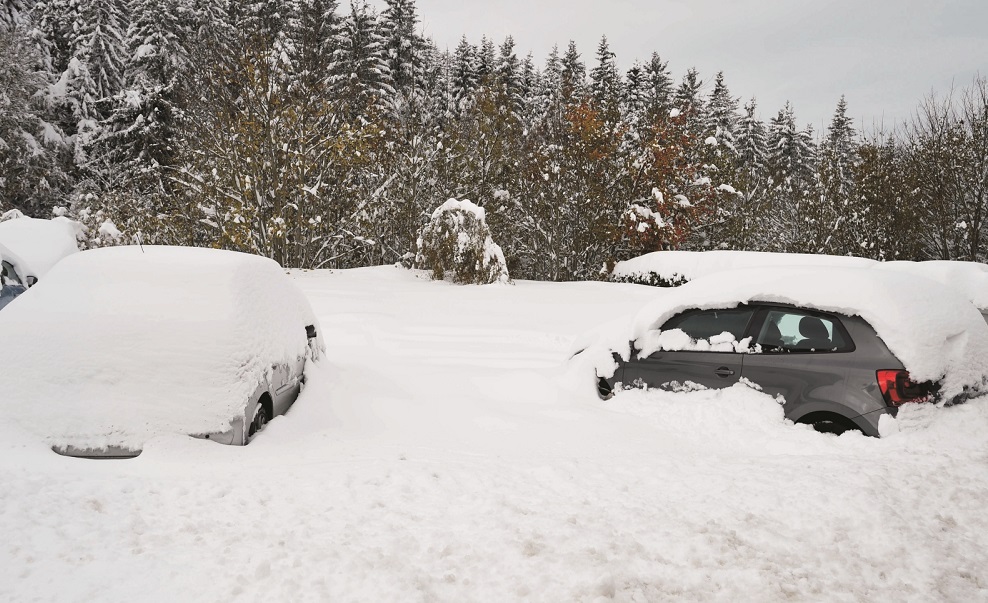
[[841, 348], [122, 344], [29, 248]]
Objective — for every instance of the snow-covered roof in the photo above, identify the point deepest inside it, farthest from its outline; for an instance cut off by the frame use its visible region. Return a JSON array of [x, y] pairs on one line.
[[120, 344], [678, 266], [969, 278], [37, 245], [932, 330], [675, 267]]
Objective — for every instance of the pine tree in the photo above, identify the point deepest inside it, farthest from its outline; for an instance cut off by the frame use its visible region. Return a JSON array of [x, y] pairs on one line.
[[14, 14], [32, 176], [316, 43], [364, 81], [464, 78], [792, 170], [660, 87], [605, 83], [403, 47], [722, 114], [509, 78], [485, 64], [574, 75], [838, 214]]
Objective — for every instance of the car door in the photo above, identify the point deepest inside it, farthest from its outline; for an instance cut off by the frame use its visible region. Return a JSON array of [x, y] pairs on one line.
[[671, 368], [801, 355]]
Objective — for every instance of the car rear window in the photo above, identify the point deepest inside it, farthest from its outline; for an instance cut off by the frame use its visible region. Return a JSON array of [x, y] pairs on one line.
[[798, 331]]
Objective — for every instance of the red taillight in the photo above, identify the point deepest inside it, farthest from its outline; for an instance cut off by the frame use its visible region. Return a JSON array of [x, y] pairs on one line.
[[897, 388]]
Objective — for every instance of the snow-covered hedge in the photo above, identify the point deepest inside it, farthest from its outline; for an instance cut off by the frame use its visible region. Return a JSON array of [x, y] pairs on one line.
[[456, 245]]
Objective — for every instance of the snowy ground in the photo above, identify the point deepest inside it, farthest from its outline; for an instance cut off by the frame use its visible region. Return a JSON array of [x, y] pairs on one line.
[[439, 453]]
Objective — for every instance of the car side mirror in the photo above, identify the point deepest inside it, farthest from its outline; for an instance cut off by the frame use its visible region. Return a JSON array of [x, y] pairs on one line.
[[310, 331], [31, 280]]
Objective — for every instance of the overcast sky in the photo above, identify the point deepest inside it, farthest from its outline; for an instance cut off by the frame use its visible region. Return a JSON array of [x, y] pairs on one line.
[[884, 55]]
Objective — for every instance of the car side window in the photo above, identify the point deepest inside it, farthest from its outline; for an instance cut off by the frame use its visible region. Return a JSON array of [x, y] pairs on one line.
[[8, 276], [798, 331], [704, 324]]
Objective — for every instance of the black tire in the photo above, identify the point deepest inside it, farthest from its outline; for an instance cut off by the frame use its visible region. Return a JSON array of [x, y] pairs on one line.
[[830, 423], [260, 419]]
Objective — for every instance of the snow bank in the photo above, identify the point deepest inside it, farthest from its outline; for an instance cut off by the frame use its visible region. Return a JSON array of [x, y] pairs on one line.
[[37, 244], [118, 345], [933, 330]]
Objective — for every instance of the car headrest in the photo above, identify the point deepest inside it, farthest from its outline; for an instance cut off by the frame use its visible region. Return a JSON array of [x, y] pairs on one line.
[[812, 327]]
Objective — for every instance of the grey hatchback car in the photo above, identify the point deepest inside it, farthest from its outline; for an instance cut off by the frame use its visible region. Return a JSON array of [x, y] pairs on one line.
[[833, 371]]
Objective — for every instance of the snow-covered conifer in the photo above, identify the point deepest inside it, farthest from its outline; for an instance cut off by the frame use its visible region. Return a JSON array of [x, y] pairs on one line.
[[403, 46], [364, 83]]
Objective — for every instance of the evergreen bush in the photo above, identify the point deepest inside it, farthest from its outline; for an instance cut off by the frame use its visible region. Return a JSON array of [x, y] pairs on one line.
[[456, 245]]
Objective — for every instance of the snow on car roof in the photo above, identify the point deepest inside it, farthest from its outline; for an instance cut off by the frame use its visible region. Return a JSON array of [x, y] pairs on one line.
[[969, 278], [675, 266], [932, 329], [37, 245], [120, 344]]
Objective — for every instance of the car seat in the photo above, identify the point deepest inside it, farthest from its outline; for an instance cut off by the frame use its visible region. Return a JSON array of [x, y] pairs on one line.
[[772, 337], [816, 336]]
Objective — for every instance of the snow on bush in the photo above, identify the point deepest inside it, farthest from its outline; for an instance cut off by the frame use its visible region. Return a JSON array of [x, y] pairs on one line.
[[935, 332], [456, 245], [120, 344]]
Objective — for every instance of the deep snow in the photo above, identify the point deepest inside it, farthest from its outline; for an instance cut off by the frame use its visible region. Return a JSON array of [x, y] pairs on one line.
[[441, 452]]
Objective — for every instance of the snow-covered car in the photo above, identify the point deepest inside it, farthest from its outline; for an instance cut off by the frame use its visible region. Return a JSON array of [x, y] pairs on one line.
[[121, 344], [29, 248], [841, 347]]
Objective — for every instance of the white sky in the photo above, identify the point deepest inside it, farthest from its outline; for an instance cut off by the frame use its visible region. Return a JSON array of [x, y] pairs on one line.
[[884, 55]]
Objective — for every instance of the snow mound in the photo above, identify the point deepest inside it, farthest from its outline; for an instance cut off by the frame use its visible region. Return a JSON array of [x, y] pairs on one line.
[[118, 345], [933, 330], [37, 245]]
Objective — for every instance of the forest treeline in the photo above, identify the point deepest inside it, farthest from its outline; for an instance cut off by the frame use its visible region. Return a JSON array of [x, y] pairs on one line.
[[324, 135]]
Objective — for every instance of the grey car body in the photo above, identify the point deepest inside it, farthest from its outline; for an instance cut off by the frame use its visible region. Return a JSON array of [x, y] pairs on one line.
[[824, 365]]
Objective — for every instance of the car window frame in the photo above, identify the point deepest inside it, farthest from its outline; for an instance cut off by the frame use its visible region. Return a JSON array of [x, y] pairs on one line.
[[761, 314], [744, 333]]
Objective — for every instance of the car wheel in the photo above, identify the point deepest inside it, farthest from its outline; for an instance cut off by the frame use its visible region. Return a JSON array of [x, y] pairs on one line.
[[259, 421], [832, 424]]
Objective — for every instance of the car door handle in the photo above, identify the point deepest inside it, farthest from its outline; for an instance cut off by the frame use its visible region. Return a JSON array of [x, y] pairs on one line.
[[723, 372]]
